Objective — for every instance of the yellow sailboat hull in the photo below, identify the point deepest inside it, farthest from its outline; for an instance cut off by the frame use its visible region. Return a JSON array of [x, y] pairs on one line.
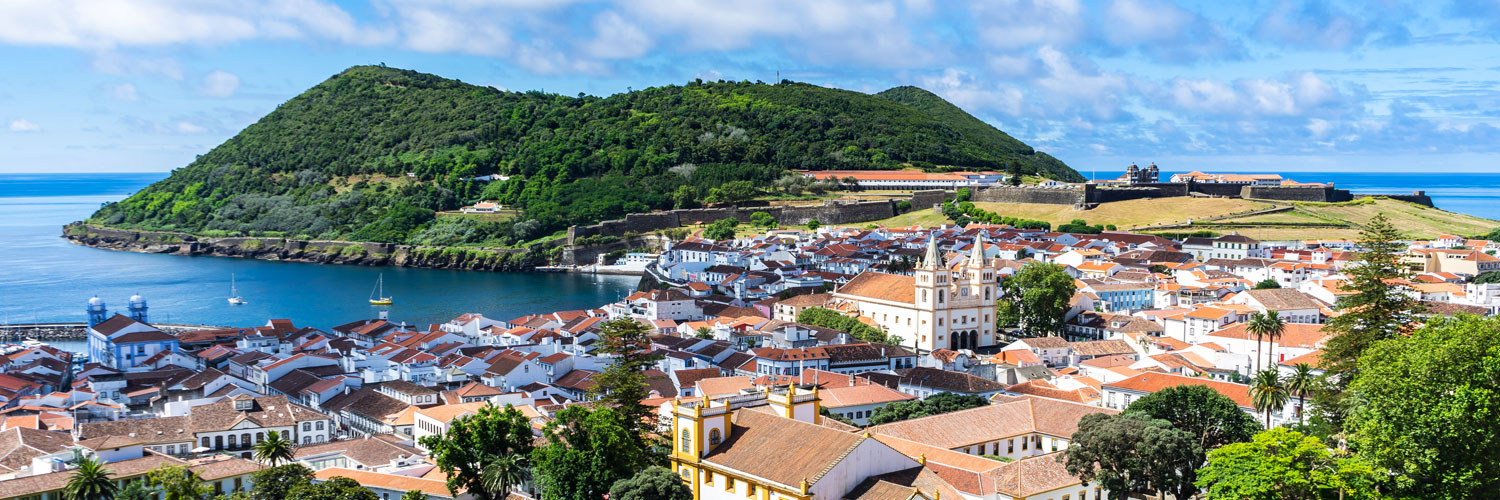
[[381, 302]]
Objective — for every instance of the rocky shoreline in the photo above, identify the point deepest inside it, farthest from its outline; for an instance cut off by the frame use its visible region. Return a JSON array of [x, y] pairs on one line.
[[72, 331], [311, 251]]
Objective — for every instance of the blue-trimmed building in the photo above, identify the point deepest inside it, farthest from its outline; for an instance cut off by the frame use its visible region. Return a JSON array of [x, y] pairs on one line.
[[122, 343]]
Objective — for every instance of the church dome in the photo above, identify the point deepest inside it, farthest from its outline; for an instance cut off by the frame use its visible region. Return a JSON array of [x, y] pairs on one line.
[[96, 301], [137, 299]]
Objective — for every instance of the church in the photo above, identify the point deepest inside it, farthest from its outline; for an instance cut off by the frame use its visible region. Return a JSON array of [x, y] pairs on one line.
[[937, 307]]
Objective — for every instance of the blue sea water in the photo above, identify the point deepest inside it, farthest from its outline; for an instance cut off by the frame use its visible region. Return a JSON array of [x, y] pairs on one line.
[[45, 278], [1475, 194]]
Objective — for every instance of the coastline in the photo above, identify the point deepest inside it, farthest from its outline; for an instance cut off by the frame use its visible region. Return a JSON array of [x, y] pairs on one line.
[[308, 251], [74, 331]]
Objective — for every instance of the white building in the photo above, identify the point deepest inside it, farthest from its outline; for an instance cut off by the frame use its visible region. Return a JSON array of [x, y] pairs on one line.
[[937, 307]]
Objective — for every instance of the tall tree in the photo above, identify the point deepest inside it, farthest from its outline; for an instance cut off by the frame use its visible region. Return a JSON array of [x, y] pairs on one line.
[[1427, 407], [90, 481], [414, 495], [1126, 452], [276, 483], [1037, 298], [275, 450], [1270, 327], [622, 384], [587, 450], [492, 437], [502, 473], [1268, 393], [1375, 309], [1300, 383], [1212, 419], [1282, 464], [653, 483], [177, 482]]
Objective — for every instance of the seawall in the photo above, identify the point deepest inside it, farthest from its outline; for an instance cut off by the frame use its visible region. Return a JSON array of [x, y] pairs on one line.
[[311, 251]]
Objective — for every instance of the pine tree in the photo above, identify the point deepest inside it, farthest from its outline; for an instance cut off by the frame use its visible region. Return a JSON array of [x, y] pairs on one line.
[[1378, 309]]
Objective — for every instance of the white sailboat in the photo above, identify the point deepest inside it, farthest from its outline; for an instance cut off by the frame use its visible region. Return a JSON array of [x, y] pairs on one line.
[[234, 293], [378, 296]]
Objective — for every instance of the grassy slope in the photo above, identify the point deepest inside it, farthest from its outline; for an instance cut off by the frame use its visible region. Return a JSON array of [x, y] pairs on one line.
[[1417, 221]]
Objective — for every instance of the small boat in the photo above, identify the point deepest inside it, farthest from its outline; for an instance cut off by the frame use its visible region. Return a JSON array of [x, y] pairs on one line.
[[234, 294], [377, 296]]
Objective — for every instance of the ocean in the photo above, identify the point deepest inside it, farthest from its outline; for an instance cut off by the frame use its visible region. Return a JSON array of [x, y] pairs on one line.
[[44, 278]]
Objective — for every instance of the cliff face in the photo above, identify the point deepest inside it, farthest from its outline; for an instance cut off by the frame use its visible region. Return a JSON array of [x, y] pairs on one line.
[[284, 249]]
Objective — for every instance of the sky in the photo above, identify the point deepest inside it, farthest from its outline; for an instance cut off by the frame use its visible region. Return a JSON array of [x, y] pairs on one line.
[[1379, 85]]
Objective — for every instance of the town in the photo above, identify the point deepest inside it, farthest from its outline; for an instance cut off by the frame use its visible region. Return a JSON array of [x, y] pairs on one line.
[[833, 362]]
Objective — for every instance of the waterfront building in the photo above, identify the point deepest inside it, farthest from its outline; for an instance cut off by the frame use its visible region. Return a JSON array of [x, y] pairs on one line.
[[123, 343]]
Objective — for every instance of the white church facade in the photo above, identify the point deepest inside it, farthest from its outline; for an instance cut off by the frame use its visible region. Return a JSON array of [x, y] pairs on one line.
[[937, 307]]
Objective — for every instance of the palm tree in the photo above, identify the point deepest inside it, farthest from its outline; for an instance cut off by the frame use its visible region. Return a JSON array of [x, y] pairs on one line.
[[1301, 382], [1268, 392], [90, 481], [1275, 328], [502, 473], [275, 450], [1265, 325]]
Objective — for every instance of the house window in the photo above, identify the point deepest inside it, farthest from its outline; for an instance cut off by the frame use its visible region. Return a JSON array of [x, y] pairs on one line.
[[320, 425], [713, 437], [231, 440], [687, 441], [260, 437], [306, 439], [1024, 443], [205, 441], [245, 439], [306, 426]]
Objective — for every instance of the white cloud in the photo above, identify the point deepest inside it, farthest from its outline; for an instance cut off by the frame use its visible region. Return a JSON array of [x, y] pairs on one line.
[[106, 24], [122, 91], [1296, 95], [220, 84], [617, 38], [115, 63], [1016, 24], [184, 127], [23, 125]]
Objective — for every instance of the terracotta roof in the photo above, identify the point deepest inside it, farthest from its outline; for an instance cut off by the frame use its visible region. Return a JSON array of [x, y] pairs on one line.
[[1304, 335], [1010, 416], [802, 451], [393, 482], [881, 286], [371, 451], [1152, 382], [18, 445], [1030, 476], [1283, 298], [1102, 348], [722, 386], [857, 395], [53, 481]]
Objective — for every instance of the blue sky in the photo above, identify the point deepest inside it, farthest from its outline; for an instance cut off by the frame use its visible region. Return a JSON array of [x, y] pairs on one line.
[[128, 85]]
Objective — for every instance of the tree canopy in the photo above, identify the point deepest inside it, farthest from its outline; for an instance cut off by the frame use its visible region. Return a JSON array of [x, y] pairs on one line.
[[276, 483], [1036, 298], [473, 442], [828, 318], [1128, 451], [937, 404], [1209, 418], [370, 152], [587, 451], [653, 483], [1282, 464], [1427, 407]]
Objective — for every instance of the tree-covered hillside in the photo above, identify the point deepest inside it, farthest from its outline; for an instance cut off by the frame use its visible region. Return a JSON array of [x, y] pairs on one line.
[[370, 153]]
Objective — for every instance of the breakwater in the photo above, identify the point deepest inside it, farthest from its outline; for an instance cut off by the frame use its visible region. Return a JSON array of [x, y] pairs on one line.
[[73, 331]]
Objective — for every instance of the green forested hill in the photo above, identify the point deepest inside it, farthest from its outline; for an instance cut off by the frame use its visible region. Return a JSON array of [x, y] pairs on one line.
[[370, 153]]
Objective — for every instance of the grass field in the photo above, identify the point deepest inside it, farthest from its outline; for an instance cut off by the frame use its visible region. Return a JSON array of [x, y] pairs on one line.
[[1414, 220], [1417, 221], [1128, 214]]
